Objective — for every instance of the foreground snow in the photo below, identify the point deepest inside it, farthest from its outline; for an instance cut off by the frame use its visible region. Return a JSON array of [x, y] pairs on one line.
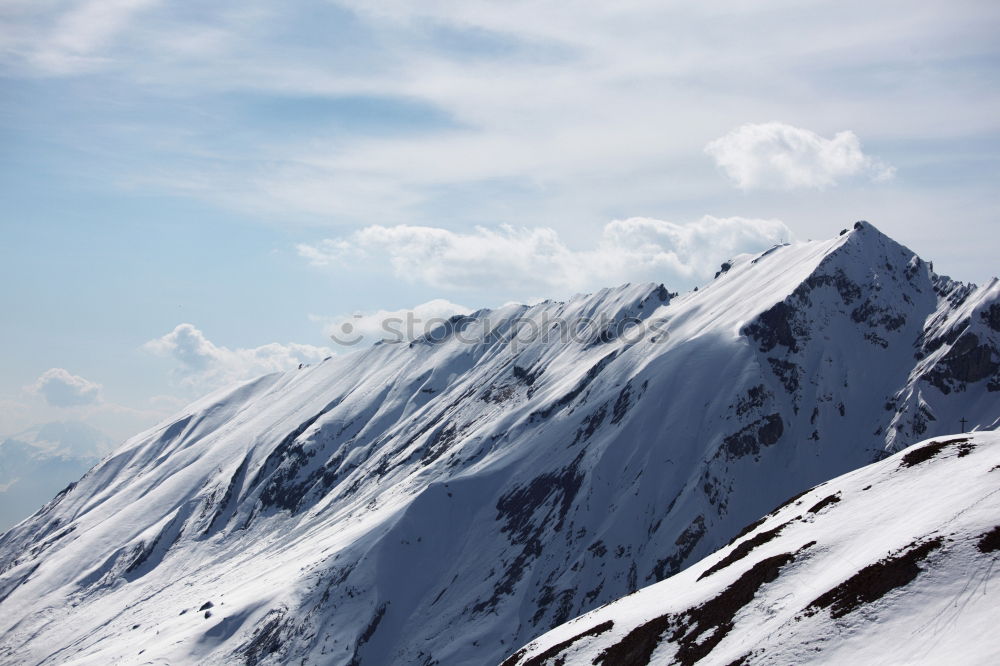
[[446, 501], [895, 563]]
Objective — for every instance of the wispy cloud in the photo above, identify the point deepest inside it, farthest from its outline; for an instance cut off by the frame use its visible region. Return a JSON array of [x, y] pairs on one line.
[[782, 157], [64, 38], [582, 107], [524, 261]]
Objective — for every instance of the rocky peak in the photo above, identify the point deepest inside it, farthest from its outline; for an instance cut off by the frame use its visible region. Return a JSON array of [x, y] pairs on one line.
[[446, 500]]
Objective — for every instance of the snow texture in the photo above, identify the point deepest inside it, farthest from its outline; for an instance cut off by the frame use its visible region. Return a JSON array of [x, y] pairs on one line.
[[445, 502], [894, 563]]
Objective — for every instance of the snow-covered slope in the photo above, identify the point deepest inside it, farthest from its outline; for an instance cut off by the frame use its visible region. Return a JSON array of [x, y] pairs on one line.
[[894, 563], [448, 500]]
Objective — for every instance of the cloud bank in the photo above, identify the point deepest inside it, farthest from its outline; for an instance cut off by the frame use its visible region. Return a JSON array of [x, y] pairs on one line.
[[782, 157], [202, 363], [61, 388], [531, 260]]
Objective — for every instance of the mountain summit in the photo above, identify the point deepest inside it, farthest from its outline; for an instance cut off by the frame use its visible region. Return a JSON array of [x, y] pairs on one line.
[[447, 500]]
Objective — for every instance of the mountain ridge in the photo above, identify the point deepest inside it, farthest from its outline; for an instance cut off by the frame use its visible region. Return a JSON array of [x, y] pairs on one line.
[[447, 499], [875, 566]]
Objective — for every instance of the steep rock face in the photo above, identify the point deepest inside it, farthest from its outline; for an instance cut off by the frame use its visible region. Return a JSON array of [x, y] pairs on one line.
[[892, 563], [957, 371], [446, 500]]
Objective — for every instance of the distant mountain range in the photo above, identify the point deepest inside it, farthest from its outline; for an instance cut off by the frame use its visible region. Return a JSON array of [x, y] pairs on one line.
[[450, 499], [39, 462]]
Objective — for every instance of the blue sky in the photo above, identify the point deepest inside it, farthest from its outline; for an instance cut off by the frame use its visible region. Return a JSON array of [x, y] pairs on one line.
[[195, 193]]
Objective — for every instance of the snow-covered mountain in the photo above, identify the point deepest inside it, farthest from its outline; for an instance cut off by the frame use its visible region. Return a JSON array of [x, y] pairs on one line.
[[40, 461], [894, 563], [448, 500]]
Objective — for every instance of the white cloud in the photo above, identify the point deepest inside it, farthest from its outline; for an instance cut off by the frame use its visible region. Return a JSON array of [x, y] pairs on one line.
[[581, 107], [61, 388], [526, 260], [63, 38], [783, 157], [202, 363], [393, 325]]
